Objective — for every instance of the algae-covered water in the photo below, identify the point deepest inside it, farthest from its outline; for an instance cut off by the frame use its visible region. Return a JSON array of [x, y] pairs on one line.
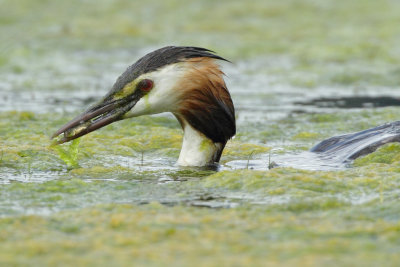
[[302, 71]]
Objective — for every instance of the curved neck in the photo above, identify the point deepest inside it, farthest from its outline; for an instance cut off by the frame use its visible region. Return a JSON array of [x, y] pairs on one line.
[[198, 150]]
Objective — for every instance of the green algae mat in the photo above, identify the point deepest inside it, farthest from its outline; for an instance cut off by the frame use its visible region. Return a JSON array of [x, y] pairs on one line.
[[302, 71]]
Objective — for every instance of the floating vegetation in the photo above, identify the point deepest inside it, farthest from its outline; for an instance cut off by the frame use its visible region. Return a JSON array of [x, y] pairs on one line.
[[303, 71], [69, 153]]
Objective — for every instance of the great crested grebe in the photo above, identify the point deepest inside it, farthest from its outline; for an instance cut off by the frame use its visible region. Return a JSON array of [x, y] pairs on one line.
[[188, 82]]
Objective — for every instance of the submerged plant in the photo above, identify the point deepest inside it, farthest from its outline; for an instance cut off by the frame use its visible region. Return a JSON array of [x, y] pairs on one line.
[[69, 153]]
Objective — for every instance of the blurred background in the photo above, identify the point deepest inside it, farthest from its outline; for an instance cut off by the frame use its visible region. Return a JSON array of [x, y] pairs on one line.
[[71, 52], [303, 70]]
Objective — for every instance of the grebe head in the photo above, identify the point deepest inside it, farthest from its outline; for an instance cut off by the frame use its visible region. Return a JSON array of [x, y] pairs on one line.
[[186, 81]]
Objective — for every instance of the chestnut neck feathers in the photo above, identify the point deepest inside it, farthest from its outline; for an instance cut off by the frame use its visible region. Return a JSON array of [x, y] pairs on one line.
[[205, 102], [206, 107]]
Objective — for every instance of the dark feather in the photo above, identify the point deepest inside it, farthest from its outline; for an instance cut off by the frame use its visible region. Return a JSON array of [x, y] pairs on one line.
[[351, 146], [218, 124], [158, 59]]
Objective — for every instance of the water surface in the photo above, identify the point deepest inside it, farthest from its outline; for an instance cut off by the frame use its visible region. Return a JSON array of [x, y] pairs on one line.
[[302, 71]]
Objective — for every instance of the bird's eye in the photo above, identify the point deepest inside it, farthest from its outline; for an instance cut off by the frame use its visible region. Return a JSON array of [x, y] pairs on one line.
[[145, 85]]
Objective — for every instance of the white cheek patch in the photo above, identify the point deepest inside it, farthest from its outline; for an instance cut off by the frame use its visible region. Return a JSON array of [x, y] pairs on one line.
[[165, 94]]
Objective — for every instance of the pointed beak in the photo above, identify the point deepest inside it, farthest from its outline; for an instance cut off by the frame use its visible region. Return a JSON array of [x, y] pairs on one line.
[[95, 118]]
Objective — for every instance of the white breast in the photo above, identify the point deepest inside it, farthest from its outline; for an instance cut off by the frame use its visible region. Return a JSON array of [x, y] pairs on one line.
[[197, 150]]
